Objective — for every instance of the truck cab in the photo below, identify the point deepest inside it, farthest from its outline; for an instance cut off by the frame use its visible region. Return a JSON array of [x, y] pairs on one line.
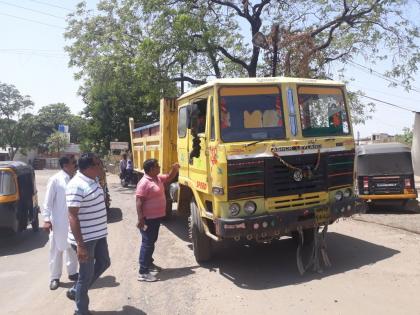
[[260, 158]]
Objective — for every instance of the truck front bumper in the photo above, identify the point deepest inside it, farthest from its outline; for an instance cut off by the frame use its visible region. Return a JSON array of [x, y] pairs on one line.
[[284, 222]]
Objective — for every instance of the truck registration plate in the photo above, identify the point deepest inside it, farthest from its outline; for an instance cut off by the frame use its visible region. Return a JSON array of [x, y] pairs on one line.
[[322, 215]]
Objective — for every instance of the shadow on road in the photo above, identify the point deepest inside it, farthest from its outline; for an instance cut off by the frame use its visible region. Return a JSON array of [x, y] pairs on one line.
[[127, 310], [173, 273], [265, 266], [115, 215], [178, 225], [117, 188], [26, 241], [105, 282], [390, 210]]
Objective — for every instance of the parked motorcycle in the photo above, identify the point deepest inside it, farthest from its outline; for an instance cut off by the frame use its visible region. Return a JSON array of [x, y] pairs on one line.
[[129, 178]]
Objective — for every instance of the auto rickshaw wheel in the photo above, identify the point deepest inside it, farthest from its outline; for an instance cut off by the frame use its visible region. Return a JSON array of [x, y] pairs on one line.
[[22, 221], [35, 221]]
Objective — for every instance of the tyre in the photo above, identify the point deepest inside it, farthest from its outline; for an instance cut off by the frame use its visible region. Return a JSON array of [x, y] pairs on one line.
[[370, 207], [173, 191], [308, 236], [201, 242], [23, 220], [35, 221]]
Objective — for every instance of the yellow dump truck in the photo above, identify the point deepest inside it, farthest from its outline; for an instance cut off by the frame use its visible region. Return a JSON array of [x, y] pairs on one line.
[[260, 158]]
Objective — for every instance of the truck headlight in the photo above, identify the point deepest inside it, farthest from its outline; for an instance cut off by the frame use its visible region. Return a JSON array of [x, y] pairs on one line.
[[234, 209], [338, 195], [250, 207], [347, 193]]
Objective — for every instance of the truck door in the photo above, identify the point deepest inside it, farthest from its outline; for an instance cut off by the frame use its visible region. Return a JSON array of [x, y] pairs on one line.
[[182, 140], [198, 159]]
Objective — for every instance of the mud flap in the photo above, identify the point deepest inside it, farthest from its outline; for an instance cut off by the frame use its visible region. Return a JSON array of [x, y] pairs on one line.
[[318, 251]]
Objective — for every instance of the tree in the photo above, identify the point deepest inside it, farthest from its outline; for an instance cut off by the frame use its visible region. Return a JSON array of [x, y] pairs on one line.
[[150, 44], [12, 106], [57, 141], [51, 116], [116, 85], [406, 137]]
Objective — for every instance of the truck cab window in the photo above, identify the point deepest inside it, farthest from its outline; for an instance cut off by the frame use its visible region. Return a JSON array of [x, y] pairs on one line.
[[322, 112], [201, 118], [182, 122], [249, 117]]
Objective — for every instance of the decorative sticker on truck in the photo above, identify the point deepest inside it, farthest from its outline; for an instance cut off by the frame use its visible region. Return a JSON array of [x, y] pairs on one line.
[[213, 155], [201, 185]]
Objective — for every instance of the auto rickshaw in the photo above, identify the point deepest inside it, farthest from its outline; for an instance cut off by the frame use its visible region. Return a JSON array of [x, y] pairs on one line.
[[385, 176], [18, 196]]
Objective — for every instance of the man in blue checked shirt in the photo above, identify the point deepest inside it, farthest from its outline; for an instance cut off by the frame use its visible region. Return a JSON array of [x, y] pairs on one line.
[[88, 228]]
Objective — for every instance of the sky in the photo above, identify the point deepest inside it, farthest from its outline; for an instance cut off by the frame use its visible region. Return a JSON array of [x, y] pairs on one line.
[[32, 58]]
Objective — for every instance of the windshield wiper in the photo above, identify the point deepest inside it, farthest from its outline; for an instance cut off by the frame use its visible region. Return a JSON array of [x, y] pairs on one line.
[[255, 142]]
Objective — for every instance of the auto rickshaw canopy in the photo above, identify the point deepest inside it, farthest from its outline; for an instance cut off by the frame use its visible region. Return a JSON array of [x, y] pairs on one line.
[[384, 159], [19, 168]]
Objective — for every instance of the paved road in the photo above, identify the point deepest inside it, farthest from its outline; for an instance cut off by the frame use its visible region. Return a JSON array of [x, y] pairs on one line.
[[375, 271]]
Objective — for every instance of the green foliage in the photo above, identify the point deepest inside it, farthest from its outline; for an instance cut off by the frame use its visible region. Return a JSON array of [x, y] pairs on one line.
[[406, 137], [13, 106], [51, 116], [57, 141], [117, 83], [132, 52]]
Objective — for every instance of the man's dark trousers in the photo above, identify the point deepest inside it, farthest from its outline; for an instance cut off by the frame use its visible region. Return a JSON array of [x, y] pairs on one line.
[[149, 237], [89, 271]]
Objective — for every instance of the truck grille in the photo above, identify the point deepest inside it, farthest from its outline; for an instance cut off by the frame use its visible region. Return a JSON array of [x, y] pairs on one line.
[[245, 179], [340, 168], [268, 177], [309, 200], [279, 179]]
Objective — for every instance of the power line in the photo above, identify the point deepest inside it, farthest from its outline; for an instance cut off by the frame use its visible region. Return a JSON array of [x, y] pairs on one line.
[[382, 76], [32, 10], [34, 54], [30, 49], [387, 103], [52, 5], [33, 21], [381, 92]]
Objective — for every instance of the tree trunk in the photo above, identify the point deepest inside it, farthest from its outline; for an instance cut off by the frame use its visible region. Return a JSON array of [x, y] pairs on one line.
[[12, 153]]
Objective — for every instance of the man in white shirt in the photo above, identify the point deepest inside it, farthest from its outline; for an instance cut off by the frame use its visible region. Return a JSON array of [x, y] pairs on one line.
[[56, 222]]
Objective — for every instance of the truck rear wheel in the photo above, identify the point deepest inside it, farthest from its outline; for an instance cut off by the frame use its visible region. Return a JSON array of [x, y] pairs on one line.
[[201, 242]]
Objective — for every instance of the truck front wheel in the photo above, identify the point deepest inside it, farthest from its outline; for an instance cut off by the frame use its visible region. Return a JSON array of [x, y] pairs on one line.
[[201, 242], [308, 236]]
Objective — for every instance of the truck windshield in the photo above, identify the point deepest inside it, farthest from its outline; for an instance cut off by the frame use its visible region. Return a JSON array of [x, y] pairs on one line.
[[7, 184], [322, 112], [251, 114]]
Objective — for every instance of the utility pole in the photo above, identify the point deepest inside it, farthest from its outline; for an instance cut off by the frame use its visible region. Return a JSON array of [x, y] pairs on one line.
[[274, 40], [269, 42], [182, 78]]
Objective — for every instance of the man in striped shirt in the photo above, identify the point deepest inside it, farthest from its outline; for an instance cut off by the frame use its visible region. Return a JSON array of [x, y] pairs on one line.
[[88, 228]]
